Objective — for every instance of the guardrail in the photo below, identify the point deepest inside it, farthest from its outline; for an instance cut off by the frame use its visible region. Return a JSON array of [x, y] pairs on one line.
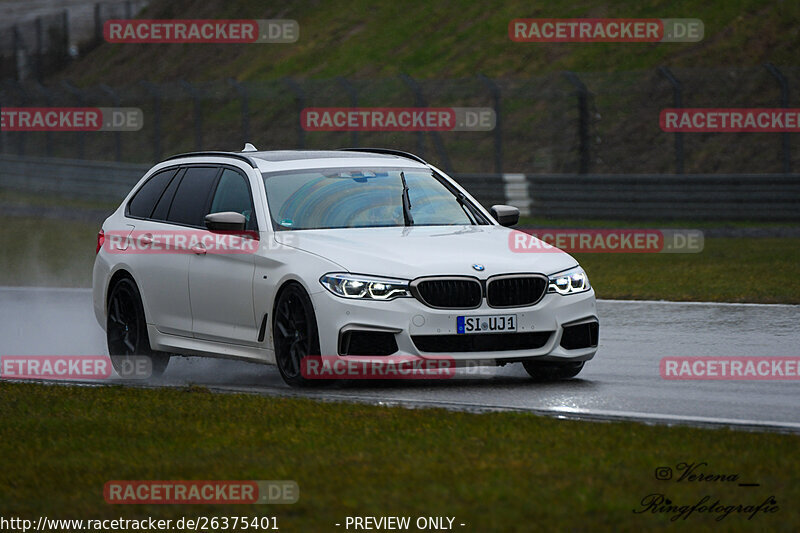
[[614, 196], [71, 178], [665, 196]]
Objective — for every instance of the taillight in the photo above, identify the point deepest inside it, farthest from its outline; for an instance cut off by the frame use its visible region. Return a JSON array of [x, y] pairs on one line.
[[101, 238]]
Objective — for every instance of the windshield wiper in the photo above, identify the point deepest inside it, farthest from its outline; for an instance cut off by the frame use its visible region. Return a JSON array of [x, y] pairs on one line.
[[407, 218], [466, 207], [475, 217]]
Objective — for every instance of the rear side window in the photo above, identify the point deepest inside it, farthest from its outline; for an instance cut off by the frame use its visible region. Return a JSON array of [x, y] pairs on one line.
[[190, 204], [162, 207], [143, 202]]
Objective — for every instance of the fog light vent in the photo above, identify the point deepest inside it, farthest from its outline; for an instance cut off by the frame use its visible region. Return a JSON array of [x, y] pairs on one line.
[[580, 336], [359, 342]]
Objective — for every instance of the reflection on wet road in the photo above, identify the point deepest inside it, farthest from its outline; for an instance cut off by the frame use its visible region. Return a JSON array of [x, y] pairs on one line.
[[622, 381]]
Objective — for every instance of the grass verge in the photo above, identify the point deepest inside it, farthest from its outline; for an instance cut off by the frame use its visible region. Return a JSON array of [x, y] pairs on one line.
[[493, 472], [764, 270], [761, 270], [46, 252], [446, 39], [10, 196]]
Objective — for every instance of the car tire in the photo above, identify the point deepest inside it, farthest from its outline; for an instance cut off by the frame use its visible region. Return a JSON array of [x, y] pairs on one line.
[[295, 334], [126, 330], [540, 371]]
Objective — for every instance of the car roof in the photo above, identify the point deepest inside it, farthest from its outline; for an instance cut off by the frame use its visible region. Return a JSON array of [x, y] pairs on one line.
[[294, 155], [268, 160]]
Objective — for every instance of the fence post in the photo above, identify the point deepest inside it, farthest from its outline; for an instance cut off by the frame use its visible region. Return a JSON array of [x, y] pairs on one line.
[[153, 91], [23, 100], [7, 88], [18, 53], [2, 132], [583, 122], [786, 150], [65, 28], [677, 102], [498, 130], [437, 140], [48, 135], [78, 94], [419, 101], [245, 103], [300, 101], [198, 114], [98, 24], [117, 134], [39, 48], [353, 95]]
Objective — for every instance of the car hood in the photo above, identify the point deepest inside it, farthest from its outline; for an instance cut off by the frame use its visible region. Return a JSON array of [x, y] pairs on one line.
[[410, 252]]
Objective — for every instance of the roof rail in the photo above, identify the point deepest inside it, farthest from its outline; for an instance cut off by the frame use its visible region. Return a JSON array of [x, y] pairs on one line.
[[234, 155], [387, 151]]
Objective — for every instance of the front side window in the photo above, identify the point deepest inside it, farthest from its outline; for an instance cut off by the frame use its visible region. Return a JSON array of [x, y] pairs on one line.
[[356, 198], [233, 194]]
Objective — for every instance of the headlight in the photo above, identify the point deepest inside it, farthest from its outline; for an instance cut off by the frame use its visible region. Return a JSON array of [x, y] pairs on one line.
[[569, 282], [360, 287]]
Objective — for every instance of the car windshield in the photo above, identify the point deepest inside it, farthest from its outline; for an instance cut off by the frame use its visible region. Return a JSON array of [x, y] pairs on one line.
[[362, 198]]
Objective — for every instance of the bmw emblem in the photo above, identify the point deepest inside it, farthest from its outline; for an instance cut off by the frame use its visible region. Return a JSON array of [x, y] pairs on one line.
[[478, 267]]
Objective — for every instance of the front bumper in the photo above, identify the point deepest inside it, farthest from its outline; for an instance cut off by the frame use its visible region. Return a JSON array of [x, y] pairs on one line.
[[406, 318]]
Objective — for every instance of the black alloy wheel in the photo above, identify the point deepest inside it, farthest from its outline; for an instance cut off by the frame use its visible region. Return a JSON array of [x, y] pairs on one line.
[[126, 331], [294, 327]]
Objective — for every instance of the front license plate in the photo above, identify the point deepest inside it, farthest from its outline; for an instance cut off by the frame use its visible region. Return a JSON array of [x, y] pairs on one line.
[[486, 324]]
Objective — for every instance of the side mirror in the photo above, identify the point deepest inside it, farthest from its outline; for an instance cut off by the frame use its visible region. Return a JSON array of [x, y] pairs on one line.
[[226, 221], [505, 215]]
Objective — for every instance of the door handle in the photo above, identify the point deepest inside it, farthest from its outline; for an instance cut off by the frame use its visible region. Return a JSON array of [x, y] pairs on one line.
[[146, 239], [198, 249]]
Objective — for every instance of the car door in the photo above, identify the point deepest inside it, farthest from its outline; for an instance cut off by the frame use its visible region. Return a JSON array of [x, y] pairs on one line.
[[176, 217], [162, 278], [221, 283]]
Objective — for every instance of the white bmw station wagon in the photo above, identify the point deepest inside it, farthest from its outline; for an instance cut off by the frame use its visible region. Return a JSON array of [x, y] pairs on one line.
[[273, 256]]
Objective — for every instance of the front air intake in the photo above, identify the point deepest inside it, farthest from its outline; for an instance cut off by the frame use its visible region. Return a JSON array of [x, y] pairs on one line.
[[495, 342]]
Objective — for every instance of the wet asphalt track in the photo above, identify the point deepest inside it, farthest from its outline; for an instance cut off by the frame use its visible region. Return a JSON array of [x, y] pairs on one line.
[[622, 382]]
